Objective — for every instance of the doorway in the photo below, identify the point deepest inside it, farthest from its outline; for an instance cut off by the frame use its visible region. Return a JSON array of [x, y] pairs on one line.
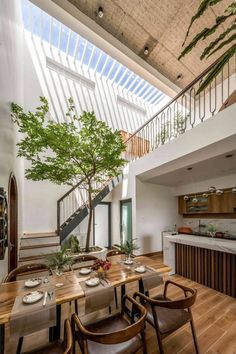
[[125, 220], [102, 225], [13, 223]]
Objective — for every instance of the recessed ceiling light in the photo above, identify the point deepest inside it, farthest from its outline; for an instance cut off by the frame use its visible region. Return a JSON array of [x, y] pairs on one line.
[[179, 77], [189, 168], [100, 12], [146, 51], [228, 156]]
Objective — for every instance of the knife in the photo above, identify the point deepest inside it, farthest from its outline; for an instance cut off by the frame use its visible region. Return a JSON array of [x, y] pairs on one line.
[[45, 298]]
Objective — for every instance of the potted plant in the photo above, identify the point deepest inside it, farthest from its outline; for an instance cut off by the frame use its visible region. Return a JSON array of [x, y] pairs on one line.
[[73, 244], [128, 247], [211, 229], [80, 149], [60, 261]]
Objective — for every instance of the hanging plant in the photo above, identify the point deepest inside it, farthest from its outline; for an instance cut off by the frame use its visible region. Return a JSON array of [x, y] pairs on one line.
[[226, 37]]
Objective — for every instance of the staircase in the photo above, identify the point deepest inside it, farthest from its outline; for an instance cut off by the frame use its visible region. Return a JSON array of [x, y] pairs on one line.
[[34, 248], [72, 207]]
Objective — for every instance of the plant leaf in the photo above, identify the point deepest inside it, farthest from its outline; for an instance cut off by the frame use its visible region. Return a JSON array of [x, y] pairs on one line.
[[216, 41], [204, 34], [228, 41], [202, 8], [217, 68]]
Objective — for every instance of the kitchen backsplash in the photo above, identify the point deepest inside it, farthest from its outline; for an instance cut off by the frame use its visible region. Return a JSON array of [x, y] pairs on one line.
[[223, 225]]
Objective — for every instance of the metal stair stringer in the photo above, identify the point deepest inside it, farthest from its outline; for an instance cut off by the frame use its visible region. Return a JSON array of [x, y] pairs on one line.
[[80, 214]]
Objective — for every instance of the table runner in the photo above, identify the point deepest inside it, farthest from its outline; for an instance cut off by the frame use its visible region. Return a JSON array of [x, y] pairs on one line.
[[97, 297], [29, 318]]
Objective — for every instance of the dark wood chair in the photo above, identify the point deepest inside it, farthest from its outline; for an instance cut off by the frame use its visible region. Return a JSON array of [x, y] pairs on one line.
[[58, 347], [111, 253], [81, 259], [167, 315], [114, 252], [115, 334], [24, 269]]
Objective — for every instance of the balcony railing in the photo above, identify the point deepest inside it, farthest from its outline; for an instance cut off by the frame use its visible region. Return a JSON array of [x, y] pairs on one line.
[[183, 112]]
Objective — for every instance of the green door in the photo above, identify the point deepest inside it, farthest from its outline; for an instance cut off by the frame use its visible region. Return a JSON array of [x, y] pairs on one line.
[[125, 220]]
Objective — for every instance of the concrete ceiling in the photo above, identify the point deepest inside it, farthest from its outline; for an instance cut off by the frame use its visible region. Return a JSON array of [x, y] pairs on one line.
[[160, 25], [219, 166]]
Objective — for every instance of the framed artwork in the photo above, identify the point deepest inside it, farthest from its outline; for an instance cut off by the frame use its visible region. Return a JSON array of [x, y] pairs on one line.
[[3, 223]]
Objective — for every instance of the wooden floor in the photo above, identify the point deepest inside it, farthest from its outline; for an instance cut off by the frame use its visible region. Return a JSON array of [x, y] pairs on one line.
[[214, 315]]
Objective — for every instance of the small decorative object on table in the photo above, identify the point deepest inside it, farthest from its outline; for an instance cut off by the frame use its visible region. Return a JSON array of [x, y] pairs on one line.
[[101, 267], [128, 247]]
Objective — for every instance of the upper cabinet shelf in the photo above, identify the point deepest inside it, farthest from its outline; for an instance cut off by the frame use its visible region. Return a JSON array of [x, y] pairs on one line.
[[213, 204]]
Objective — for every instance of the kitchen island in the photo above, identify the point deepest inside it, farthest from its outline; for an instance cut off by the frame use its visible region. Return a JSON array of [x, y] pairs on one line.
[[208, 261]]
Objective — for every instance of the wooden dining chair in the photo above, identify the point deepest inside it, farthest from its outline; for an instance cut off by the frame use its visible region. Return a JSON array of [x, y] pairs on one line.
[[114, 334], [167, 315], [80, 260], [24, 269], [58, 347], [111, 253]]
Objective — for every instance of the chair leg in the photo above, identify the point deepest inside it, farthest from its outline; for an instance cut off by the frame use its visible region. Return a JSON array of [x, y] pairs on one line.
[[143, 336], [161, 349], [194, 337], [19, 346], [76, 307], [116, 300]]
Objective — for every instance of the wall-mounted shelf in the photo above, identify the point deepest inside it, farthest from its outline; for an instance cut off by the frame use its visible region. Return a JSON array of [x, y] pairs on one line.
[[223, 205]]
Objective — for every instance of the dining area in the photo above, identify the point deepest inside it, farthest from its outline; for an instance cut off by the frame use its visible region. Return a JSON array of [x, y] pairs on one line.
[[83, 311]]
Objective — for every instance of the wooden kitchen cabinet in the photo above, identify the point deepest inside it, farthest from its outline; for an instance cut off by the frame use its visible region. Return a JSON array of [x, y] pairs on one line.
[[224, 204]]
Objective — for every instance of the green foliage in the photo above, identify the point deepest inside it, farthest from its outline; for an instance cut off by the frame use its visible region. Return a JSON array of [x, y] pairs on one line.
[[128, 246], [215, 45], [83, 150], [73, 244], [61, 259], [211, 228]]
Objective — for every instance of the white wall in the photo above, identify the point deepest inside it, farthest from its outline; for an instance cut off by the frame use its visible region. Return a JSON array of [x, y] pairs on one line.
[[11, 83], [157, 210]]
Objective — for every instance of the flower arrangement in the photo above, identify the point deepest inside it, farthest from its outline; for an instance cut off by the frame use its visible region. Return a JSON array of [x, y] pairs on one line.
[[101, 266]]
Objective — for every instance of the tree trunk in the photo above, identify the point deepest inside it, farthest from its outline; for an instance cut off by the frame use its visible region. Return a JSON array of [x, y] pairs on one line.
[[90, 218]]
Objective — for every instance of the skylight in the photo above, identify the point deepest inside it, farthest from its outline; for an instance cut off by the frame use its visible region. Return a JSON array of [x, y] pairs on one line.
[[86, 54]]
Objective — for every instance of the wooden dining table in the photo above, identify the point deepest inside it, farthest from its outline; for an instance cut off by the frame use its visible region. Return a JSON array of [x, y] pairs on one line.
[[70, 289]]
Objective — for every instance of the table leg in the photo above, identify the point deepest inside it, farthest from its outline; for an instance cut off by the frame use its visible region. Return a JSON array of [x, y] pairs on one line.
[[2, 338], [55, 332]]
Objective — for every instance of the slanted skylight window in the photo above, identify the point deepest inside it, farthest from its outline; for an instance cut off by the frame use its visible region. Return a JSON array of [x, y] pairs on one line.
[[86, 54]]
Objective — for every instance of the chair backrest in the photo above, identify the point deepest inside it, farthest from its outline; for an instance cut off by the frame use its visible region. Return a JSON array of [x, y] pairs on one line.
[[184, 303], [34, 268], [114, 252], [84, 258], [115, 337], [68, 338]]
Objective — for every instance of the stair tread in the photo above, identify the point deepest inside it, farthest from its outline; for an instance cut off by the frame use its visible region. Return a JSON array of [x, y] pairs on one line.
[[40, 246], [40, 235], [29, 258]]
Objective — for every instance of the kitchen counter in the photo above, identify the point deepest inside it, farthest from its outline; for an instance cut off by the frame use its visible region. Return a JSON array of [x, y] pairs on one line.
[[211, 243], [208, 261]]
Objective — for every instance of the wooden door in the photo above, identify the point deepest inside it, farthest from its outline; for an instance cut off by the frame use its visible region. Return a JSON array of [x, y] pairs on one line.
[[13, 223]]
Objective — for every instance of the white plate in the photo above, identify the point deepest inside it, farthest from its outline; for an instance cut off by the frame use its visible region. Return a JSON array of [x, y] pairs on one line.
[[92, 282], [31, 283], [140, 269], [85, 271], [33, 297]]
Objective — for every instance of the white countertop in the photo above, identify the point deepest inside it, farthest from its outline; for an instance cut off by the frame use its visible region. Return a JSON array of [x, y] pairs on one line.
[[222, 245]]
